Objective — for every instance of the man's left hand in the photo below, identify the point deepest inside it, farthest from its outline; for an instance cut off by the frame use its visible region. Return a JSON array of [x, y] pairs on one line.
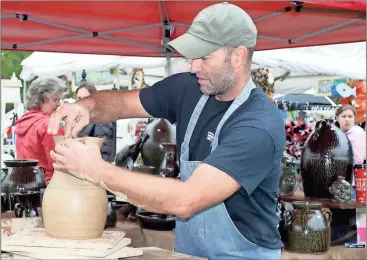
[[78, 159]]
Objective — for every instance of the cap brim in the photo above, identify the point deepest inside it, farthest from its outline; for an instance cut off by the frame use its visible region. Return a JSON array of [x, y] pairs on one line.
[[193, 47]]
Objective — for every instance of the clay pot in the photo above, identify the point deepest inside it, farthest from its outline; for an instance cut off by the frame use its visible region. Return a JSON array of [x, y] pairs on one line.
[[327, 154], [341, 190], [308, 228], [169, 167], [155, 221], [288, 180], [73, 208], [21, 178], [26, 204], [159, 131]]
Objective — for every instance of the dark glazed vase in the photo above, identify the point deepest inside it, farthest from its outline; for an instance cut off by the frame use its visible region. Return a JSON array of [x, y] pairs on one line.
[[308, 228], [169, 167], [326, 155], [22, 181], [4, 205], [160, 131]]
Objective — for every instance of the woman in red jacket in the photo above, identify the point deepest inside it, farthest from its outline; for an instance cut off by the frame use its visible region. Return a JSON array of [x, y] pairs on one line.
[[32, 140]]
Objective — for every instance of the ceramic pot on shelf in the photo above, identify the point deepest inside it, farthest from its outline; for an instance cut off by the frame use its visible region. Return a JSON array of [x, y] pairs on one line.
[[307, 228], [169, 167], [288, 180], [73, 208], [22, 178], [159, 131], [341, 190], [327, 154]]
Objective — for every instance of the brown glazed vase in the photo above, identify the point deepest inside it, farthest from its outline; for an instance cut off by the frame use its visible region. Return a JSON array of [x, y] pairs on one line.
[[308, 228], [327, 154], [73, 208], [160, 131]]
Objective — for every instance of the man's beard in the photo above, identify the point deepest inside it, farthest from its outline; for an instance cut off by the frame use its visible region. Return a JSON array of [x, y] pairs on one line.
[[219, 83]]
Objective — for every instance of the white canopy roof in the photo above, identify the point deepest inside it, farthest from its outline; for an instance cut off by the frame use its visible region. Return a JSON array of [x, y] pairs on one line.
[[346, 60], [343, 60], [56, 64]]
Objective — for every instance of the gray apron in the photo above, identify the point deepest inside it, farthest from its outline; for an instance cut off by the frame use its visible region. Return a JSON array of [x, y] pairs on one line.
[[211, 232]]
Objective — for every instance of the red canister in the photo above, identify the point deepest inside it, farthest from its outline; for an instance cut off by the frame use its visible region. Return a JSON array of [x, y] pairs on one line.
[[360, 180]]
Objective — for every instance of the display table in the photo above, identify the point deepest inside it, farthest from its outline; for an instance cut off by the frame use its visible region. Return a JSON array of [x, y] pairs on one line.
[[147, 239]]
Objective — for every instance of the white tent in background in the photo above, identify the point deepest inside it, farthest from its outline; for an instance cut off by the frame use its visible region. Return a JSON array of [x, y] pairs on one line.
[[56, 64], [346, 60], [307, 66]]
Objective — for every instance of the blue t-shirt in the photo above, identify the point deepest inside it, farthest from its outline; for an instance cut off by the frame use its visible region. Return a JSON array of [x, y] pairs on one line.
[[251, 144]]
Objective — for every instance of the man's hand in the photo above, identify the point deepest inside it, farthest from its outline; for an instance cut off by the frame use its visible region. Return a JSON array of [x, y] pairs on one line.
[[76, 117], [78, 159]]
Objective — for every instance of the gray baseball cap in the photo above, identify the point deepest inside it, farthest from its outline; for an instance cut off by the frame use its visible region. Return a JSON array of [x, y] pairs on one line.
[[217, 26]]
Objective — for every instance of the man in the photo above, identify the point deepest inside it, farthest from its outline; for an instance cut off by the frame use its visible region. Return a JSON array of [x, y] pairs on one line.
[[230, 139]]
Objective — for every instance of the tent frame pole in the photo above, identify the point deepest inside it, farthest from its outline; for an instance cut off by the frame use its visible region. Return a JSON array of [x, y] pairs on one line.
[[168, 28]]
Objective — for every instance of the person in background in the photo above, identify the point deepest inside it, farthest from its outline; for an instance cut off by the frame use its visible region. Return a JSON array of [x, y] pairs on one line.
[[344, 228], [32, 140], [346, 115], [284, 112], [105, 131]]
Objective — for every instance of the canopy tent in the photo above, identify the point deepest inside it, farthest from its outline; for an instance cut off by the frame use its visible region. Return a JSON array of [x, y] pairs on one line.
[[346, 60], [144, 28]]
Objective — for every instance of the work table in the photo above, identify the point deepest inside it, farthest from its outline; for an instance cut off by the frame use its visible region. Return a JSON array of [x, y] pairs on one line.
[[159, 245]]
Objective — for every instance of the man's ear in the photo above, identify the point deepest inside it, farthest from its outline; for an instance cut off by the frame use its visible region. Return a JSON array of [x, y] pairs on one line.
[[240, 56]]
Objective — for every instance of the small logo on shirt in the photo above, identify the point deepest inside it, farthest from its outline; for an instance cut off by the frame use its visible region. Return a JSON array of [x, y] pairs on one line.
[[210, 137]]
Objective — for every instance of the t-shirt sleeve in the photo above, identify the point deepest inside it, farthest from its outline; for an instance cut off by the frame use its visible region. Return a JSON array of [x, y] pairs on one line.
[[246, 154], [162, 100]]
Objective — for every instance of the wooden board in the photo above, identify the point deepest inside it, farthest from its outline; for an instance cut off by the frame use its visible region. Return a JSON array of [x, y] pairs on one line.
[[121, 253], [11, 256], [68, 251], [37, 237], [149, 253]]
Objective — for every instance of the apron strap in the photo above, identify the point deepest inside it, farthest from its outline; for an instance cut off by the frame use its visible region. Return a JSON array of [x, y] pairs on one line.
[[194, 118], [240, 99]]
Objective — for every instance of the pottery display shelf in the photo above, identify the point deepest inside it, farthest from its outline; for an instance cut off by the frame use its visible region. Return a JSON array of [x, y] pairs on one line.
[[326, 203]]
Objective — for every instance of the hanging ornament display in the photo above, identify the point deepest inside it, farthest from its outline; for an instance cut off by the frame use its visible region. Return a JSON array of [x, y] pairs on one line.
[[265, 80]]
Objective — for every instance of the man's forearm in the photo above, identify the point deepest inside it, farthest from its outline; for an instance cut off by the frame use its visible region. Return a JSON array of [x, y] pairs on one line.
[[107, 106], [161, 195], [104, 106]]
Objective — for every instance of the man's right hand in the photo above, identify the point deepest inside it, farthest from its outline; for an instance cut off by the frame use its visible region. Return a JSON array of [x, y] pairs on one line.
[[76, 117]]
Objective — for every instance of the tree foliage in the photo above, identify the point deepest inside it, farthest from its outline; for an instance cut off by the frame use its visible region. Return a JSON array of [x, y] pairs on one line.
[[10, 62]]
